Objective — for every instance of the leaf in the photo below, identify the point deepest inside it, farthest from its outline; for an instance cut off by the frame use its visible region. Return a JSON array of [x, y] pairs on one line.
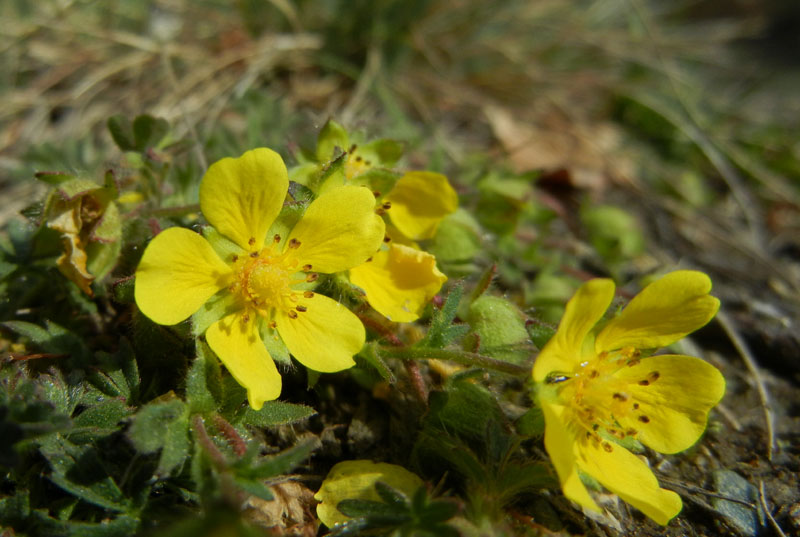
[[162, 425], [274, 466], [75, 470], [331, 136], [204, 370], [105, 415], [443, 330], [148, 131], [276, 413], [368, 508], [370, 355], [122, 132]]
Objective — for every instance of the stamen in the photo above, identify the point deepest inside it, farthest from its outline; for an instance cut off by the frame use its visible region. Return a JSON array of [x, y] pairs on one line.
[[633, 362], [380, 211], [644, 382], [294, 243], [276, 239], [607, 447], [387, 205], [593, 374], [636, 406], [246, 317], [251, 241], [254, 254], [273, 325], [653, 376], [644, 419], [312, 277], [368, 259], [308, 294], [292, 314], [631, 432], [620, 397], [301, 308], [376, 193], [352, 148], [307, 267], [387, 239], [358, 158], [235, 258]]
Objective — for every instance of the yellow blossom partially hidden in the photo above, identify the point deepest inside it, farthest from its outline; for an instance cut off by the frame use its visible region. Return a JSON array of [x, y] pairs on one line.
[[355, 480], [594, 386], [419, 201], [263, 277]]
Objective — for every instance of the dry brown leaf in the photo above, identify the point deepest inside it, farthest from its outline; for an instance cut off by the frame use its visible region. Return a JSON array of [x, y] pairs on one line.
[[291, 512]]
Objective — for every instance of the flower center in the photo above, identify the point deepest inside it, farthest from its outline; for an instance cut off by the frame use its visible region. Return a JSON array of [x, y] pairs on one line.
[[355, 164], [599, 399], [264, 280]]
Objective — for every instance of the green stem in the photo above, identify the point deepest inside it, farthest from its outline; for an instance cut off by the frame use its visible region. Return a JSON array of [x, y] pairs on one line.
[[174, 211], [458, 356]]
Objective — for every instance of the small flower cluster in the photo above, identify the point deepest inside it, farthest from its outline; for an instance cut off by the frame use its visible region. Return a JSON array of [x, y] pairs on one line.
[[266, 279]]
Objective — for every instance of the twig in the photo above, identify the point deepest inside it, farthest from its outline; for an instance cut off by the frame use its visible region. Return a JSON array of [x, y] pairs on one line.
[[763, 499], [166, 61], [692, 488], [726, 324]]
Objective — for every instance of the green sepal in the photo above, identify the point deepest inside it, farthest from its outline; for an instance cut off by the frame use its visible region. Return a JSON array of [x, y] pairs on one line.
[[332, 136]]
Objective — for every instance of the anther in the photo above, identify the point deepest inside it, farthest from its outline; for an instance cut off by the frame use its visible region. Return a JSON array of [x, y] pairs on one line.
[[595, 426], [292, 314], [253, 254], [368, 259], [636, 406], [644, 382], [633, 362], [607, 447], [368, 162], [301, 308], [307, 267], [631, 432], [308, 294], [380, 211], [273, 325], [353, 148], [276, 239], [644, 419], [235, 258], [251, 241], [387, 205], [358, 158], [312, 277], [653, 376], [593, 374], [620, 397], [294, 243], [376, 193], [246, 317], [387, 239]]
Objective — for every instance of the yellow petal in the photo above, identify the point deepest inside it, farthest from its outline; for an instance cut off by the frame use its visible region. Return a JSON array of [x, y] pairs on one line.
[[419, 201], [399, 282], [355, 480], [560, 445], [564, 350], [339, 230], [676, 404], [239, 346], [324, 337], [629, 477], [178, 273], [241, 197], [662, 313]]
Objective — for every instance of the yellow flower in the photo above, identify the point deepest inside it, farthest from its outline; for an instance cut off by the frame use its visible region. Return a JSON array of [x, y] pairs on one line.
[[401, 279], [355, 480], [241, 198], [594, 386]]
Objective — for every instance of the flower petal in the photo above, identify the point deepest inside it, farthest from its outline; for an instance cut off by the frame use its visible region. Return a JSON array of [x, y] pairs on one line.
[[399, 282], [241, 197], [564, 350], [675, 404], [560, 445], [662, 313], [178, 273], [324, 337], [419, 201], [239, 346], [629, 477], [355, 480], [339, 230]]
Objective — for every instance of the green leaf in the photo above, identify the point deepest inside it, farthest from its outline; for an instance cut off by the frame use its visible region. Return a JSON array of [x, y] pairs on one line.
[[443, 330], [148, 131], [203, 382], [105, 415], [277, 465], [386, 151], [531, 423], [369, 508], [276, 413], [162, 425], [54, 178], [539, 332], [330, 137], [370, 355], [75, 470], [122, 132], [256, 488]]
